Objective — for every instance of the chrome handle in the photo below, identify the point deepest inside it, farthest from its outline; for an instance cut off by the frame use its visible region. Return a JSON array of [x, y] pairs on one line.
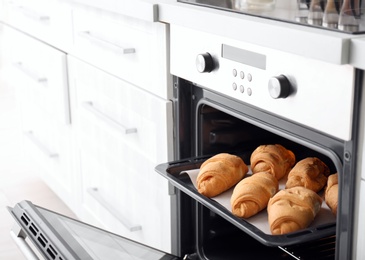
[[88, 105], [40, 146], [18, 235], [34, 14], [94, 192], [105, 43], [30, 73]]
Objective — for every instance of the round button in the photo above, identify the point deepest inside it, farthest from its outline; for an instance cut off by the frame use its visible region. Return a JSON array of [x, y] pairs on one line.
[[242, 75], [279, 87], [234, 72], [234, 86], [204, 62], [249, 91], [242, 89], [249, 77]]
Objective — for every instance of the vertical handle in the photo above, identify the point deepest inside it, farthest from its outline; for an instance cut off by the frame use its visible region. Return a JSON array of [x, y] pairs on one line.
[[88, 105], [105, 43], [40, 146], [18, 235], [94, 192], [30, 73]]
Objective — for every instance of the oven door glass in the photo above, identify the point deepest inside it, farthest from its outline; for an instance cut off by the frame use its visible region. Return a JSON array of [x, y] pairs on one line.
[[59, 237]]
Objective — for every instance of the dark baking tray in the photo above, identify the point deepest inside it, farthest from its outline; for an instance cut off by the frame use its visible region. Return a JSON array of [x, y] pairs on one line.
[[172, 172]]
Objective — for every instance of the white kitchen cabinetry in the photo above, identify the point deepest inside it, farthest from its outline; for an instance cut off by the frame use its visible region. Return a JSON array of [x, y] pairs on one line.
[[40, 80], [122, 132], [47, 20], [132, 49]]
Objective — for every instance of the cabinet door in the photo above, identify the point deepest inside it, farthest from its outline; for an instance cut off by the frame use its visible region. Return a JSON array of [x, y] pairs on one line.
[[123, 132], [131, 49], [48, 20], [40, 81]]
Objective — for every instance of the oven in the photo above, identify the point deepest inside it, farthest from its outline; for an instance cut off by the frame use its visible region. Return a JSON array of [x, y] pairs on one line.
[[232, 96]]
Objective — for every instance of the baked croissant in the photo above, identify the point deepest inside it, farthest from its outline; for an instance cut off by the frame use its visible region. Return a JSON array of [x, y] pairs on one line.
[[219, 173], [310, 173], [252, 194], [275, 159], [292, 209], [331, 193]]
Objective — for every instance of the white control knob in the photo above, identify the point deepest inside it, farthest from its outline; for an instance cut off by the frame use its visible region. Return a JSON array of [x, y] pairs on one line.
[[204, 62], [279, 87]]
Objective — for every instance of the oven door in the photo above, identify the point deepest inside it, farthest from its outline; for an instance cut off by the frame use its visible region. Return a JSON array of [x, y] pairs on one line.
[[59, 237]]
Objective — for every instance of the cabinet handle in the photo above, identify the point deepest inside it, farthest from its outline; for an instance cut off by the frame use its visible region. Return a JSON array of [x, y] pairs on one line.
[[33, 14], [18, 235], [105, 43], [40, 146], [88, 105], [30, 73], [94, 192]]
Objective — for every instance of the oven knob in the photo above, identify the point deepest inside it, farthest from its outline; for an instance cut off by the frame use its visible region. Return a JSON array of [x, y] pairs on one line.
[[279, 87], [204, 62]]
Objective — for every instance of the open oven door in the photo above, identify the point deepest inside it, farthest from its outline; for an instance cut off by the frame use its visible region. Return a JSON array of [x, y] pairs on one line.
[[58, 237]]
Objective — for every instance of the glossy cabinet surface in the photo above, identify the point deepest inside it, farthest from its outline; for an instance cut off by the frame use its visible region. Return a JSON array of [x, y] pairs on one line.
[[122, 133], [40, 80], [131, 49]]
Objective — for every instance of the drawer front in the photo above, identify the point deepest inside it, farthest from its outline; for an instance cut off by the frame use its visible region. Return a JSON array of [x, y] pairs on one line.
[[47, 144], [123, 133], [131, 49], [48, 20], [40, 74]]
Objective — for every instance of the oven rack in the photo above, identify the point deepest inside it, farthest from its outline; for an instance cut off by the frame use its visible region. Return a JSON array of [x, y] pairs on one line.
[[173, 172]]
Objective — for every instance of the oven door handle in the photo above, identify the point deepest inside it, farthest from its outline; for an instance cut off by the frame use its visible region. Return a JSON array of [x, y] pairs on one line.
[[105, 43], [88, 105], [94, 192], [18, 235]]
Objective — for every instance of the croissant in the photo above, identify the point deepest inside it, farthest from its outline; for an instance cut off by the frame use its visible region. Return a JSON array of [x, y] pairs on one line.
[[331, 193], [310, 173], [219, 173], [252, 194], [292, 209], [275, 159]]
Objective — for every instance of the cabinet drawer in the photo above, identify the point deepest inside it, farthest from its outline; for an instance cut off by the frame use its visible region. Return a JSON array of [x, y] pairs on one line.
[[40, 74], [48, 20], [47, 144], [123, 132], [131, 49]]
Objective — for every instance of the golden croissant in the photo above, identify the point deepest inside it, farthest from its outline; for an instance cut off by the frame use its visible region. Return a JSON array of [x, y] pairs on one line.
[[219, 173], [252, 194], [331, 193], [275, 159], [292, 209], [310, 173]]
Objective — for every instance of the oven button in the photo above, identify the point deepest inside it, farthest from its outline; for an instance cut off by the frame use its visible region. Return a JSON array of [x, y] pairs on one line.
[[279, 87], [204, 62]]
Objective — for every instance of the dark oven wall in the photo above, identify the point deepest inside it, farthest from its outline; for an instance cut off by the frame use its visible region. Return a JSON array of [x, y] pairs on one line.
[[208, 123]]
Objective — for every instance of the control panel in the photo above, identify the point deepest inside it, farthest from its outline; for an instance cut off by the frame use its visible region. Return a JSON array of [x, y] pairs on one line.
[[308, 91]]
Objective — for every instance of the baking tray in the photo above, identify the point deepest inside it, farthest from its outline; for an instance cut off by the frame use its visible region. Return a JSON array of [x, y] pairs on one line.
[[257, 226]]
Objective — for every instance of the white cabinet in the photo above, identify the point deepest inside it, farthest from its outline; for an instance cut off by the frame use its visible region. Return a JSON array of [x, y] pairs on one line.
[[122, 133], [40, 80], [94, 90], [47, 20], [132, 49]]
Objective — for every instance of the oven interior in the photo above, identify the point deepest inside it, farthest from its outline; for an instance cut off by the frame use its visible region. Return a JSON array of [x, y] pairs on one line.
[[207, 124]]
